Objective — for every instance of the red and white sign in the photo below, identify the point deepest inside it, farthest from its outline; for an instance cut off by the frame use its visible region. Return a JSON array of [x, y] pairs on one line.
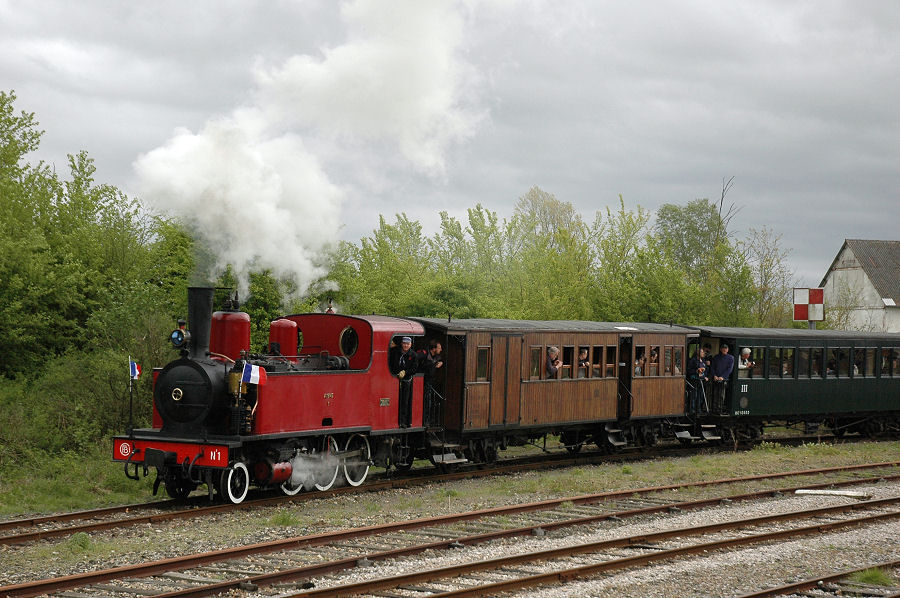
[[809, 305]]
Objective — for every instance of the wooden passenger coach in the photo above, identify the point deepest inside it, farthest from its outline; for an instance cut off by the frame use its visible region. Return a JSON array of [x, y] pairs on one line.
[[495, 377]]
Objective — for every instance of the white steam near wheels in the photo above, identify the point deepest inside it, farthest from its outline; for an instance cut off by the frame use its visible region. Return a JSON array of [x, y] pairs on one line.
[[357, 460], [327, 469]]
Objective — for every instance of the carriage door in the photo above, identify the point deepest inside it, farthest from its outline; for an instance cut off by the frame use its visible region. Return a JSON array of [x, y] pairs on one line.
[[626, 370], [506, 378]]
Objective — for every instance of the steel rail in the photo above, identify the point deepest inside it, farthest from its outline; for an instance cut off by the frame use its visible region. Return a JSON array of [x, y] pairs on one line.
[[588, 570], [179, 563], [814, 582]]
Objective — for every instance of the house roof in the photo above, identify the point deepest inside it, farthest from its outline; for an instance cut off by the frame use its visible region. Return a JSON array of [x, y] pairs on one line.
[[880, 260]]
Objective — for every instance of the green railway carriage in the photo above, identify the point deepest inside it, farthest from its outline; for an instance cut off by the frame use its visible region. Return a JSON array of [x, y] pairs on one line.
[[849, 381]]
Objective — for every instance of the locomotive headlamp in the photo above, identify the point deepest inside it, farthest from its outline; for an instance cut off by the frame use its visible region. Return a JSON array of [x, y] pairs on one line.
[[180, 338]]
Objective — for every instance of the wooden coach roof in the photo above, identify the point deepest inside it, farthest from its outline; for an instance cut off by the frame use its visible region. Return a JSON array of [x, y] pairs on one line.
[[522, 326]]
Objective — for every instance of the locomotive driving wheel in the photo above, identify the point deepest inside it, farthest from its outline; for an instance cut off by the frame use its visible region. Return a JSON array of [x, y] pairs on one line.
[[357, 460], [234, 483], [327, 468]]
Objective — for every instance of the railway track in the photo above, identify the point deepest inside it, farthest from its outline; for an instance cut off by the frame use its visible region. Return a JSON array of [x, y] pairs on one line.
[[30, 529], [521, 571], [835, 584], [296, 559]]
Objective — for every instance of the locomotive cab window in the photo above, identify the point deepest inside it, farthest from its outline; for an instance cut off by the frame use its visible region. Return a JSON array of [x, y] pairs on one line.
[[482, 364], [349, 342]]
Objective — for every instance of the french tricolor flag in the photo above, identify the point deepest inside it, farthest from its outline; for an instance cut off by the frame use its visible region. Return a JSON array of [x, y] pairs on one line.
[[253, 374], [135, 370]]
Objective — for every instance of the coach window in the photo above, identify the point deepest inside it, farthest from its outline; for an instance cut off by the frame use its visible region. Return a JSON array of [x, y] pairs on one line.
[[892, 358], [536, 362], [482, 361], [803, 362], [774, 368], [584, 362], [787, 362], [640, 360], [887, 362], [568, 359], [816, 363], [678, 364], [864, 362], [758, 362], [653, 361], [610, 361], [843, 360], [597, 362]]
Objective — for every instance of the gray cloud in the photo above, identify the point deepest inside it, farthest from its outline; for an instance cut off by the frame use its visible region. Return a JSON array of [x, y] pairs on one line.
[[393, 111]]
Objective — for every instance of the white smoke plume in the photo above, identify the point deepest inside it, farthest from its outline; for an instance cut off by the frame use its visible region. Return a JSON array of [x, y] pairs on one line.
[[254, 185]]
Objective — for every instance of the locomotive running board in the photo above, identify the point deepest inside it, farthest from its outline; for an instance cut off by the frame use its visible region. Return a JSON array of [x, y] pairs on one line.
[[685, 435]]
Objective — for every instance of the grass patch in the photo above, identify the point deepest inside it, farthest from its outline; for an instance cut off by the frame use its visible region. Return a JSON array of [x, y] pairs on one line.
[[873, 576], [284, 519], [67, 481]]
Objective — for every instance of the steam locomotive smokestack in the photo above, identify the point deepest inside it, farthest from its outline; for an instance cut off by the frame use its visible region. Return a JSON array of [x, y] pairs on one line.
[[200, 304]]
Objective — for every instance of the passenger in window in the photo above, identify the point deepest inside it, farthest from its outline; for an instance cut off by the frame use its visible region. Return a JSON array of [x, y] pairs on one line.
[[553, 362], [720, 370], [640, 364], [745, 364], [583, 362]]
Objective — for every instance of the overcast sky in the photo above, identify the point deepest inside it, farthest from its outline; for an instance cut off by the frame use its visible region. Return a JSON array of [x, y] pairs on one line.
[[302, 121]]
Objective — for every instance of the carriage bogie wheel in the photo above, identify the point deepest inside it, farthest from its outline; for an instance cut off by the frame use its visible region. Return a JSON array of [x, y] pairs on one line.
[[574, 449], [235, 483], [356, 468], [402, 467], [327, 476]]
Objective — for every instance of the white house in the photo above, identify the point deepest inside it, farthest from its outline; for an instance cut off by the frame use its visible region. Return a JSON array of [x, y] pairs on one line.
[[864, 278]]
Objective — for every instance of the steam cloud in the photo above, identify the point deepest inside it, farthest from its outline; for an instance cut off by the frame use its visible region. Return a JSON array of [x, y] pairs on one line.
[[254, 185]]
